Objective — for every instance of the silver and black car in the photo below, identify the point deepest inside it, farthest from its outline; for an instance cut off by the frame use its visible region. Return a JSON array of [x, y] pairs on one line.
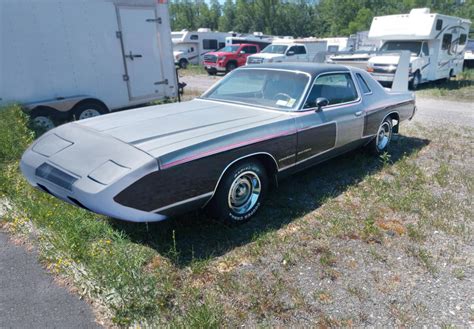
[[221, 151]]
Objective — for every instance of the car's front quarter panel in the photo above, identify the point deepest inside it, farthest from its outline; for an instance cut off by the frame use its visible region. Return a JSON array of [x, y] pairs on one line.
[[191, 175]]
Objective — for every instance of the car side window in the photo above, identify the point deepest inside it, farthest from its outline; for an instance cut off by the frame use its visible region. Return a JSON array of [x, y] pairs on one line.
[[293, 49], [363, 84], [252, 50], [336, 87], [300, 50]]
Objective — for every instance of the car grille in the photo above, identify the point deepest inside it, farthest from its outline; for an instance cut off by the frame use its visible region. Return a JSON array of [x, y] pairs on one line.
[[210, 58], [384, 68], [255, 60], [55, 176]]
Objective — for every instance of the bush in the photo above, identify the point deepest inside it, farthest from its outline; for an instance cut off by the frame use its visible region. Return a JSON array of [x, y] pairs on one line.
[[15, 134]]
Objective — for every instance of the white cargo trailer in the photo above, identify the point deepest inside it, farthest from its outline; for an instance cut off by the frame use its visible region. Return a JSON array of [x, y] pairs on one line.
[[68, 59]]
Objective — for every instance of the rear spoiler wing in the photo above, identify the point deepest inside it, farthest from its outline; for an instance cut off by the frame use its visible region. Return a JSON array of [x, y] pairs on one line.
[[400, 80]]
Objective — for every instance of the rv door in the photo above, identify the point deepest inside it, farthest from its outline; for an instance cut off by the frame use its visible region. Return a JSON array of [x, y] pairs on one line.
[[142, 57]]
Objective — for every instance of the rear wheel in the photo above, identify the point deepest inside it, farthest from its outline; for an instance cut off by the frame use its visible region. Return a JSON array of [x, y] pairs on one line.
[[381, 142], [87, 110], [240, 193]]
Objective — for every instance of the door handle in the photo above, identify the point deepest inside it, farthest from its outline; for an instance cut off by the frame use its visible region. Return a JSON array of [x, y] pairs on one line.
[[132, 56], [358, 113]]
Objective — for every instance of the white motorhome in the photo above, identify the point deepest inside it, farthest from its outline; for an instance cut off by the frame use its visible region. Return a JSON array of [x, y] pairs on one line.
[[189, 47], [290, 50], [436, 43], [77, 59]]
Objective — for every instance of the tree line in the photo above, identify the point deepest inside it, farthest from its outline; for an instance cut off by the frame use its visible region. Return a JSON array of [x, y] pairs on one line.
[[299, 18]]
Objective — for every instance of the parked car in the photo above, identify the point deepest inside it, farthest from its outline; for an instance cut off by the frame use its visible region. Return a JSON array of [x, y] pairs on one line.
[[221, 151], [291, 50], [229, 58]]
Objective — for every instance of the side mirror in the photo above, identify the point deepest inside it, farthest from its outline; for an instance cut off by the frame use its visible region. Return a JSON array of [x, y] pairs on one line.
[[290, 53], [321, 102]]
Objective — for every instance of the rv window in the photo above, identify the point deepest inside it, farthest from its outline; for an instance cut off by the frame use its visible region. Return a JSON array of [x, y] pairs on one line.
[[425, 49], [209, 44], [194, 37], [462, 39], [363, 84], [336, 87], [439, 24], [447, 38]]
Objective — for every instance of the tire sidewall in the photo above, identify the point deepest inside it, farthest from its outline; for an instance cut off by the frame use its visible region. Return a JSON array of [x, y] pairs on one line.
[[221, 204], [77, 111], [375, 146]]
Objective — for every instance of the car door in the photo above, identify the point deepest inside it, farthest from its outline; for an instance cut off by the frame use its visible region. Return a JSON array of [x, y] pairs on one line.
[[244, 53], [338, 124]]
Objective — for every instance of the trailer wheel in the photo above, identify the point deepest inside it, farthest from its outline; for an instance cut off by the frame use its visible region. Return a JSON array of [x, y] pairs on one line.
[[42, 118], [88, 109], [183, 63]]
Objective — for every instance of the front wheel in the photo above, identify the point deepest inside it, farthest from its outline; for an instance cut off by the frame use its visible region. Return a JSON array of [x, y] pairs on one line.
[[240, 193], [381, 142], [231, 66], [415, 82]]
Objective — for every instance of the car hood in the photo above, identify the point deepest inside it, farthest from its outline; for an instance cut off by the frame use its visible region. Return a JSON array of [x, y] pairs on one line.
[[388, 59], [159, 130], [220, 53], [267, 55]]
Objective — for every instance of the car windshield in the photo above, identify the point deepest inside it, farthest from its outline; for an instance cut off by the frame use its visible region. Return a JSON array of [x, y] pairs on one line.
[[275, 49], [413, 46], [276, 89], [229, 49]]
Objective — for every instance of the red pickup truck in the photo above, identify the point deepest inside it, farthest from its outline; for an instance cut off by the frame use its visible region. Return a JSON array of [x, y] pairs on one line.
[[228, 58]]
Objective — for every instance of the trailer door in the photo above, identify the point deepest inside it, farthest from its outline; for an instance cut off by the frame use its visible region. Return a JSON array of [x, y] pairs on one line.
[[141, 51]]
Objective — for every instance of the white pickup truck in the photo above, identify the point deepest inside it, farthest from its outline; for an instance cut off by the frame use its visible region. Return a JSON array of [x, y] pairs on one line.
[[290, 50]]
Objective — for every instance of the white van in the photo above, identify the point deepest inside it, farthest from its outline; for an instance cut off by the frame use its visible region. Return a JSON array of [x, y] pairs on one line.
[[289, 50], [436, 42], [189, 47], [78, 59]]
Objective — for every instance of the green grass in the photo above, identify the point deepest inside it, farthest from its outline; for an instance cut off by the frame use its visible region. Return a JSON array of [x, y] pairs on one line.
[[192, 70], [460, 88], [194, 272]]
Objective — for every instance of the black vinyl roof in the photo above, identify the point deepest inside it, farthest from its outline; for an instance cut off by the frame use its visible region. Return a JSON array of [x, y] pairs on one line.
[[313, 69]]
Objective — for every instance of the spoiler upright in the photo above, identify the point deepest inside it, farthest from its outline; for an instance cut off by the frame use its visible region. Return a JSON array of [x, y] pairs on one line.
[[400, 81]]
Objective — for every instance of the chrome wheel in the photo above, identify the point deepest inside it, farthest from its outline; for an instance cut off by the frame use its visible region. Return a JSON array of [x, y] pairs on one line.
[[383, 136], [43, 122], [88, 113], [244, 192]]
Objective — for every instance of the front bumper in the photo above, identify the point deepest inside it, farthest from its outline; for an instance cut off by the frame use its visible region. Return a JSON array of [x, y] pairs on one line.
[[75, 176], [386, 77], [213, 67]]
